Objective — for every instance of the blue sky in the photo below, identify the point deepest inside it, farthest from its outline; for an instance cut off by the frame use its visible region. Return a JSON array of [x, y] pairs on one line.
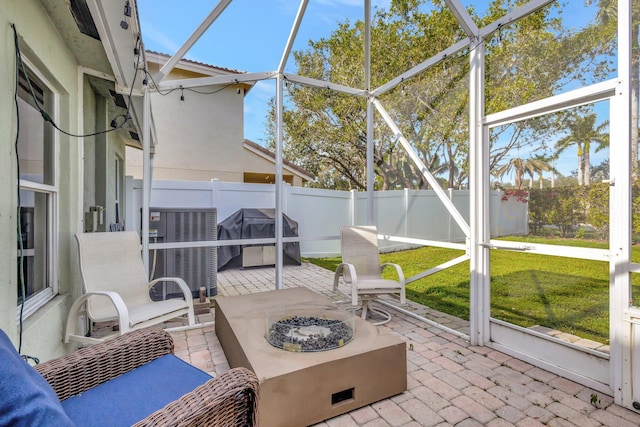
[[250, 36]]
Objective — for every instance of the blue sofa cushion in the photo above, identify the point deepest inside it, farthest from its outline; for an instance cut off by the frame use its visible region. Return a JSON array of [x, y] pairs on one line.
[[133, 396], [26, 399]]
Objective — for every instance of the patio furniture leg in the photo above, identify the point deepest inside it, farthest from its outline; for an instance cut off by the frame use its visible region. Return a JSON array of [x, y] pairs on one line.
[[366, 308]]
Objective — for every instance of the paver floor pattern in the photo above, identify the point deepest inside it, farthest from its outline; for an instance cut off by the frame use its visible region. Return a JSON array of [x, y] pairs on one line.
[[450, 382]]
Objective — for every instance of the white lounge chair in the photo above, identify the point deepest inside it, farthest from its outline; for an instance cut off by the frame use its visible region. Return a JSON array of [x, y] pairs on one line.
[[362, 269], [116, 287]]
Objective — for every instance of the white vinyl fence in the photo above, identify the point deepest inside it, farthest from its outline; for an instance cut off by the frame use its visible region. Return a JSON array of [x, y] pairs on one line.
[[319, 213]]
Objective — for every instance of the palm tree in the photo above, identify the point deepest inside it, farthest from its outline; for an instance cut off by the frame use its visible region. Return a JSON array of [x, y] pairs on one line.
[[544, 160], [520, 167], [582, 132]]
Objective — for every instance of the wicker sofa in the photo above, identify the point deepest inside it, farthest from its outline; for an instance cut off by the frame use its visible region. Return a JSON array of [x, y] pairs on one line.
[[230, 399]]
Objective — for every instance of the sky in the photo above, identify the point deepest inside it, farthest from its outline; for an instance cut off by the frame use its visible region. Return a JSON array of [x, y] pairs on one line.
[[250, 36]]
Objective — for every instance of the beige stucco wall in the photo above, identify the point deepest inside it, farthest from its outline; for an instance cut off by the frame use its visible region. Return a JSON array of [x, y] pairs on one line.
[[42, 44], [231, 169], [200, 138]]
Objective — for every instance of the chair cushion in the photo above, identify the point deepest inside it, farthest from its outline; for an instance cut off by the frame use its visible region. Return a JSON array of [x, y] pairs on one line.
[[142, 313], [27, 398], [373, 284], [133, 396]]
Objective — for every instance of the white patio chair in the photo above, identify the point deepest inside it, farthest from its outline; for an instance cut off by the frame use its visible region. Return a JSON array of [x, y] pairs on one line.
[[116, 287], [362, 269]]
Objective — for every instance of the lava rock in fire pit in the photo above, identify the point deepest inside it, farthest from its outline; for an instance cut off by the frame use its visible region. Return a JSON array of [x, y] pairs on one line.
[[307, 334]]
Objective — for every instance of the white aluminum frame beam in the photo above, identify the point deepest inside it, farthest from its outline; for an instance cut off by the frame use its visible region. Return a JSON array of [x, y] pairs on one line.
[[225, 79], [278, 190], [292, 35], [484, 32], [624, 370], [322, 84], [252, 77], [524, 10], [463, 17], [554, 250], [438, 268], [479, 266], [422, 242], [171, 63], [448, 204], [370, 149], [439, 57], [575, 98]]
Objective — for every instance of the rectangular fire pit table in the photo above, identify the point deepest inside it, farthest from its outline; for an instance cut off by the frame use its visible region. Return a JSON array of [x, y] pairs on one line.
[[298, 388]]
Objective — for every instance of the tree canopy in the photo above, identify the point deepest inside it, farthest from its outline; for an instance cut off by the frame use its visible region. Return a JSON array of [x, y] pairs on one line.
[[530, 59]]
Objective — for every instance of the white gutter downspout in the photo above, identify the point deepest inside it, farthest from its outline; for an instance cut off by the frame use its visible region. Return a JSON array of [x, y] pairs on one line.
[[146, 175]]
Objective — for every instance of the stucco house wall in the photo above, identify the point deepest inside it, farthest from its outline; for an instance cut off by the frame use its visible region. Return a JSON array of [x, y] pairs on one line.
[[84, 170], [201, 137], [42, 44]]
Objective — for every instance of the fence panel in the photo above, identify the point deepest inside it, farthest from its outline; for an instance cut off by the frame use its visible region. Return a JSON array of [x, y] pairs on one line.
[[320, 213]]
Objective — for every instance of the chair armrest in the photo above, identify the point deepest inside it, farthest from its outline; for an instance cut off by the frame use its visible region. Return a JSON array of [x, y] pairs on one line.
[[74, 312], [353, 280], [403, 292], [178, 281], [230, 399], [90, 366], [398, 271], [185, 291]]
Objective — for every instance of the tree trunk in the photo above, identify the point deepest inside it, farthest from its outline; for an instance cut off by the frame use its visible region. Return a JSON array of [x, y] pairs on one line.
[[580, 169], [587, 169]]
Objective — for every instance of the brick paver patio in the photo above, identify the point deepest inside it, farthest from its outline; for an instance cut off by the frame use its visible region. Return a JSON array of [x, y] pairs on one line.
[[450, 383]]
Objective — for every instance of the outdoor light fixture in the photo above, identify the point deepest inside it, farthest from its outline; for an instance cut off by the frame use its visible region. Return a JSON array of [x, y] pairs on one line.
[[238, 91], [127, 13], [182, 94]]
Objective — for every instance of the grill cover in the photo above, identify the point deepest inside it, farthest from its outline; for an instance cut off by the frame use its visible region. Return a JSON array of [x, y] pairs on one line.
[[249, 223]]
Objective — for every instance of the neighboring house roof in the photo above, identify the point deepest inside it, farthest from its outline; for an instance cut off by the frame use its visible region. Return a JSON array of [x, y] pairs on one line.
[[196, 67], [154, 56], [271, 156]]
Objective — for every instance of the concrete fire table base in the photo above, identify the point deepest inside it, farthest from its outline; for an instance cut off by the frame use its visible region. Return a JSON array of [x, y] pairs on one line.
[[299, 389]]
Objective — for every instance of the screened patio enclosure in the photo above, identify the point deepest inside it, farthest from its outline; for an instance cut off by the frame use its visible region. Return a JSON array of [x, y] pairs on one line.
[[488, 123]]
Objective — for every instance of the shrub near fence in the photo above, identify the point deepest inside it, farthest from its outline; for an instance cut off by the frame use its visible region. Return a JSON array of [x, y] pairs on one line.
[[575, 211]]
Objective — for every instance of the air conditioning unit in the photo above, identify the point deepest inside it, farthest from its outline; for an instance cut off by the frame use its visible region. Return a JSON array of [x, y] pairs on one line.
[[197, 266]]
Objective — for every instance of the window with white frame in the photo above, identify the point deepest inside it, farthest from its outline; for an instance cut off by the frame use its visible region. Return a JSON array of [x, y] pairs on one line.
[[36, 151]]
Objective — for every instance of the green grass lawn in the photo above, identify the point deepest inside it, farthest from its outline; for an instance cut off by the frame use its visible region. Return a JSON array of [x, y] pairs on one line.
[[570, 295]]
